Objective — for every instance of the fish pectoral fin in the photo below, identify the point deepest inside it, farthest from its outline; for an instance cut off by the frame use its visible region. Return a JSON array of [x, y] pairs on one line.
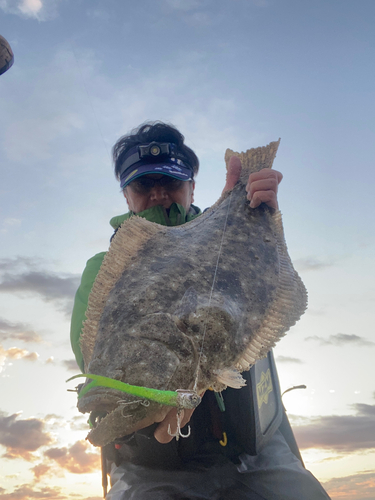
[[230, 377], [188, 304]]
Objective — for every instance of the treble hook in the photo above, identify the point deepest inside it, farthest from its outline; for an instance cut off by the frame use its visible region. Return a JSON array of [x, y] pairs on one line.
[[178, 432], [123, 403]]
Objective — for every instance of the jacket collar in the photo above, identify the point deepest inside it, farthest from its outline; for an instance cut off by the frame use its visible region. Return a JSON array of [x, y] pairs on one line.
[[175, 216]]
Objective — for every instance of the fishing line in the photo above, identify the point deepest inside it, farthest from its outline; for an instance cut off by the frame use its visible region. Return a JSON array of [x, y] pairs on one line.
[[212, 289]]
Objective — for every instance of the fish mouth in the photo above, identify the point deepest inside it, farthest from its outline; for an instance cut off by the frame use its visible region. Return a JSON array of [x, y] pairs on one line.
[[115, 414], [100, 399], [124, 419], [114, 417]]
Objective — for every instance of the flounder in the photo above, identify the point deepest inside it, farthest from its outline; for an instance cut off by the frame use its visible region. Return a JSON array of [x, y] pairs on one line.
[[188, 306]]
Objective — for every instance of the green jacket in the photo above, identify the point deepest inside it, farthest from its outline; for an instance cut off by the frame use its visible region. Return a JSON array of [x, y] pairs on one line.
[[177, 216]]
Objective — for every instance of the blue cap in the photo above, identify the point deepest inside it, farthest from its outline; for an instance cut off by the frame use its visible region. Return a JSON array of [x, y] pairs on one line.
[[154, 158]]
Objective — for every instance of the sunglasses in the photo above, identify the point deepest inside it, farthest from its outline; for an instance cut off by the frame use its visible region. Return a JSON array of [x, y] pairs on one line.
[[143, 185]]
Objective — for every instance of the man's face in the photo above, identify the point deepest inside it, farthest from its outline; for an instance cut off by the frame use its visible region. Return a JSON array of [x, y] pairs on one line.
[[140, 197]]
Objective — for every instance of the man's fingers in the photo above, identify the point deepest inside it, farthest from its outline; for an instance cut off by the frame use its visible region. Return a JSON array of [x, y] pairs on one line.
[[233, 173], [268, 197], [266, 173], [161, 432], [262, 187]]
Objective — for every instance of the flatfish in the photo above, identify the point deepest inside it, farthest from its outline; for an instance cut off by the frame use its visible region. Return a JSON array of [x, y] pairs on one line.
[[188, 307]]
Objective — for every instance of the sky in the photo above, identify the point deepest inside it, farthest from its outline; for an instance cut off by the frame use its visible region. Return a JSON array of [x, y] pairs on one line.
[[227, 73]]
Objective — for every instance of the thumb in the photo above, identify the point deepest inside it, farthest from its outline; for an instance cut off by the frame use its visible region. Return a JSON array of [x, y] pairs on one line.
[[233, 173]]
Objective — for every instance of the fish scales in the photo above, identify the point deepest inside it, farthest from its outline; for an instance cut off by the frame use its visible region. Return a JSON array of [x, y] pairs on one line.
[[199, 300]]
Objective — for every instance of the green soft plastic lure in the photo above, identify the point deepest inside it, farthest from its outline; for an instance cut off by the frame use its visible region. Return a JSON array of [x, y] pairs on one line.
[[181, 398]]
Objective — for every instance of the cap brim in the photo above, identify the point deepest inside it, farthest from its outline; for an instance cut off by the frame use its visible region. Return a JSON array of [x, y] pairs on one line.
[[165, 168]]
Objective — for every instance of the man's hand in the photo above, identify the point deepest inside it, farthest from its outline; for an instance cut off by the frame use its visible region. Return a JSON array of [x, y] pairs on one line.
[[261, 187], [161, 432], [233, 173]]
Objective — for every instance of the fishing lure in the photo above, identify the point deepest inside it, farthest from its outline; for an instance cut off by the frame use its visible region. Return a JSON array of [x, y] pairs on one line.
[[181, 398]]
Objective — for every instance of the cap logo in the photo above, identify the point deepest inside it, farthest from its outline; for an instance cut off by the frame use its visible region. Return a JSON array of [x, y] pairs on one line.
[[131, 175]]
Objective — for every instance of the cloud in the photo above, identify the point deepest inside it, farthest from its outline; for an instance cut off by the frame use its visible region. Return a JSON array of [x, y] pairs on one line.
[[194, 12], [100, 14], [24, 276], [70, 364], [17, 331], [56, 114], [27, 492], [16, 353], [340, 433], [30, 7], [47, 285], [20, 263], [54, 422], [41, 10], [59, 114], [191, 5], [364, 409], [76, 459], [78, 423], [359, 486], [288, 359], [312, 264], [11, 221], [21, 437], [341, 339], [40, 471], [185, 5]]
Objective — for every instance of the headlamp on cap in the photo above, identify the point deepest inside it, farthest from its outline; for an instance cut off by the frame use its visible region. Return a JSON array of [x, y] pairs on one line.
[[155, 157], [154, 150]]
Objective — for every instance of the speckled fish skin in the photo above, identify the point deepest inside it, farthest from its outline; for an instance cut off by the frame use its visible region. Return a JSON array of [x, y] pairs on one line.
[[156, 316]]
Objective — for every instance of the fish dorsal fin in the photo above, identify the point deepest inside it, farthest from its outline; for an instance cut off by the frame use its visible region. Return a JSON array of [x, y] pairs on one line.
[[289, 304], [291, 297], [129, 239]]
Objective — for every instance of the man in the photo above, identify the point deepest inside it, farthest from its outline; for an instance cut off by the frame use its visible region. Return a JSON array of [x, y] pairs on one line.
[[157, 173]]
